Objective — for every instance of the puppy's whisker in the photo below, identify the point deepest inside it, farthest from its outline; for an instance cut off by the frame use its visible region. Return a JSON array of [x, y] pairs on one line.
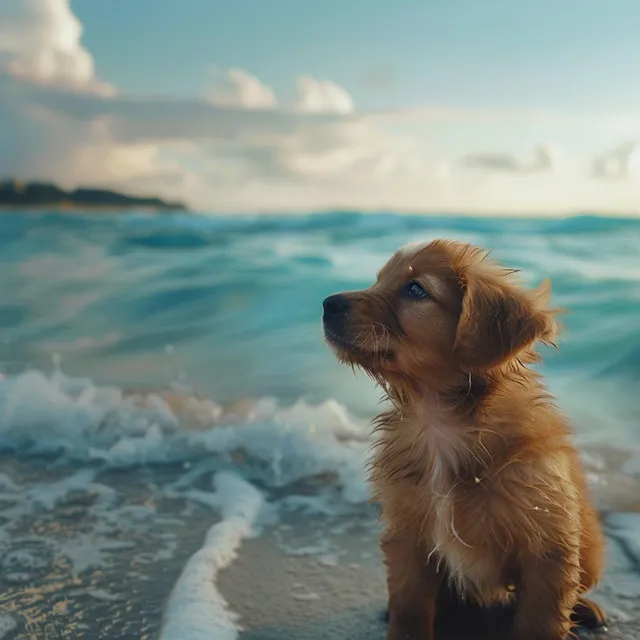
[[456, 535]]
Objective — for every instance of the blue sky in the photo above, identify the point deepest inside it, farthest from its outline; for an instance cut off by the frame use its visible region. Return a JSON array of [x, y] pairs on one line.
[[501, 53], [505, 106]]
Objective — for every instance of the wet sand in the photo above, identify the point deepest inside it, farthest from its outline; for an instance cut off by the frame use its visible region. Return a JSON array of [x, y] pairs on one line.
[[100, 562], [280, 597]]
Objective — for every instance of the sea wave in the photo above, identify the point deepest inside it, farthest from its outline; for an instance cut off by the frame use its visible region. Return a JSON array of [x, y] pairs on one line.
[[230, 306]]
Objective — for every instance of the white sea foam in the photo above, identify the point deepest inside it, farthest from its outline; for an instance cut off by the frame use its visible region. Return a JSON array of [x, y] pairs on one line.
[[626, 527], [280, 445], [196, 610], [276, 445], [8, 623], [46, 496]]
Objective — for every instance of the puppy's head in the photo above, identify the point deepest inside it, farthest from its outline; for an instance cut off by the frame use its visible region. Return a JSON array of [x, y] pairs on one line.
[[438, 310]]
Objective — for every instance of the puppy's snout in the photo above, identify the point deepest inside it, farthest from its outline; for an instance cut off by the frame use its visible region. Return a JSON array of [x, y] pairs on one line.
[[335, 305], [336, 312]]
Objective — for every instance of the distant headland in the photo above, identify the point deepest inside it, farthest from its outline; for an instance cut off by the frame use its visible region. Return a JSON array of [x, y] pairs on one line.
[[17, 194]]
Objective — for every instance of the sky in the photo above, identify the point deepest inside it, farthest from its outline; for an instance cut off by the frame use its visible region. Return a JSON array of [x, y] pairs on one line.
[[500, 107]]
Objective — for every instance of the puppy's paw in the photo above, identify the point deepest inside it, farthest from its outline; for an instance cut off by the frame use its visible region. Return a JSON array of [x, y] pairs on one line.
[[588, 615]]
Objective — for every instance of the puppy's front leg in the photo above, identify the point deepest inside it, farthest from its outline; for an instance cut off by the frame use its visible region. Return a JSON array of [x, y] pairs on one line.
[[413, 583], [547, 593]]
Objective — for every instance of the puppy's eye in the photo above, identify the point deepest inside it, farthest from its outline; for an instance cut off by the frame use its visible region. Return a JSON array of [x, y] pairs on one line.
[[416, 290]]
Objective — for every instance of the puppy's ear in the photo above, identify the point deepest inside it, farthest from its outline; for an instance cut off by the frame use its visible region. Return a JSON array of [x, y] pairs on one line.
[[499, 320]]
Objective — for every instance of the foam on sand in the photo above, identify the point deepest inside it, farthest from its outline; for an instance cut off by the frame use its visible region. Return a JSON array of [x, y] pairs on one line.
[[196, 610], [7, 624]]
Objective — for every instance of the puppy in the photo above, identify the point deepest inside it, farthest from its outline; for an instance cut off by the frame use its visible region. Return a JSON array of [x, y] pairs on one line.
[[482, 492]]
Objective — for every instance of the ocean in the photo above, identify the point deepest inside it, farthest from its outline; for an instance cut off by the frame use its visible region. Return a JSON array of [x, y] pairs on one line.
[[157, 370]]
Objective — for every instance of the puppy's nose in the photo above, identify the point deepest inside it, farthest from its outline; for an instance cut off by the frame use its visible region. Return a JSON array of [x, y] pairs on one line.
[[335, 304]]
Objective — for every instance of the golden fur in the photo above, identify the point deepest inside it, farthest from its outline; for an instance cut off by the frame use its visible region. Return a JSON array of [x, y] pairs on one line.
[[482, 492]]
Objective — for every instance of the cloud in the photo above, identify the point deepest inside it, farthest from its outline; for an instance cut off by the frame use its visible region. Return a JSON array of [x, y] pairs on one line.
[[42, 143], [236, 88], [619, 163], [322, 96], [523, 117], [139, 118], [40, 40], [240, 89], [543, 158]]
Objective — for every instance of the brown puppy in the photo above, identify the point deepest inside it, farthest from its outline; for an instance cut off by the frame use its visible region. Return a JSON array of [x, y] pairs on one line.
[[482, 491]]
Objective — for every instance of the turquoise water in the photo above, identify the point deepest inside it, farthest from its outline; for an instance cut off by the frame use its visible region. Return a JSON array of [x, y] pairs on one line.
[[230, 307]]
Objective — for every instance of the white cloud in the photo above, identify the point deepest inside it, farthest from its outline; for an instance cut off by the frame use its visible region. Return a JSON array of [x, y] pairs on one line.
[[542, 158], [50, 145], [619, 163], [40, 40], [583, 121], [322, 96], [240, 89], [236, 88]]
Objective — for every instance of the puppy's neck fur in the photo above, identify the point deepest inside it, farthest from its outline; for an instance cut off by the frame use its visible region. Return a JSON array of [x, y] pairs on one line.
[[456, 393], [442, 425]]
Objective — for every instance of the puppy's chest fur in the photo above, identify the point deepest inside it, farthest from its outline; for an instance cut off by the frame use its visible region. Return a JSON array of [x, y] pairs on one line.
[[429, 472]]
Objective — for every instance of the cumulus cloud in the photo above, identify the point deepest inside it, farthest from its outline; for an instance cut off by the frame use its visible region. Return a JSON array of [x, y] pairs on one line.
[[240, 89], [40, 40], [619, 163], [322, 96], [542, 158]]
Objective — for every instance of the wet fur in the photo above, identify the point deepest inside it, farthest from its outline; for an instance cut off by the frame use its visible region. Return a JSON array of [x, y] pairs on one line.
[[483, 495]]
